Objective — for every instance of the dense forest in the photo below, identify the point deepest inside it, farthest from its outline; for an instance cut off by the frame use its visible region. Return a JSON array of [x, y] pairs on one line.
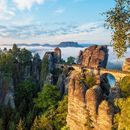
[[36, 105]]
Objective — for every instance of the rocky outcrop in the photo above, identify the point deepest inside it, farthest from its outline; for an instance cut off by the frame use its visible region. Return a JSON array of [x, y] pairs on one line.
[[88, 108], [57, 54], [105, 116], [94, 56], [126, 65], [36, 70], [76, 118], [61, 84], [104, 83], [48, 65], [6, 91], [69, 44], [53, 58]]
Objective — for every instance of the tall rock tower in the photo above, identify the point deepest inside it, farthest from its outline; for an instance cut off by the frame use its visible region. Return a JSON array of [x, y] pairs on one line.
[[57, 52]]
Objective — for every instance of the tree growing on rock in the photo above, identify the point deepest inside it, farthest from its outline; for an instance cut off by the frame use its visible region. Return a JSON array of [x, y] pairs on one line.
[[70, 60]]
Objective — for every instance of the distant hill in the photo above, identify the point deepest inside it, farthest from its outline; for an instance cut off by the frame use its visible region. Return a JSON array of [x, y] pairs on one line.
[[68, 44], [62, 44]]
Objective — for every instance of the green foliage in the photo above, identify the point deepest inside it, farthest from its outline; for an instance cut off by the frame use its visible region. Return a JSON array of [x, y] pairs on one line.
[[70, 60], [59, 118], [55, 117], [89, 80], [20, 125], [56, 75], [122, 119], [44, 69], [12, 66], [53, 114], [118, 19], [125, 86], [6, 62], [12, 125], [62, 61], [24, 92], [41, 123], [1, 123], [48, 97], [36, 56], [65, 128], [24, 56]]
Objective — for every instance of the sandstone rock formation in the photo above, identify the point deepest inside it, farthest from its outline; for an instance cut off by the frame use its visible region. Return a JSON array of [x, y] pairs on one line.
[[53, 58], [6, 91], [57, 54], [61, 83], [88, 108], [94, 56], [48, 65], [126, 65]]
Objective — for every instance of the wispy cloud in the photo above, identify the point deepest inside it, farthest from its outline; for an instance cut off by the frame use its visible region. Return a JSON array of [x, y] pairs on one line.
[[26, 4], [59, 11], [60, 30], [5, 12]]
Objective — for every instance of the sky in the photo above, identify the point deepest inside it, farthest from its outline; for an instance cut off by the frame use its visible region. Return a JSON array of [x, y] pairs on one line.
[[54, 21]]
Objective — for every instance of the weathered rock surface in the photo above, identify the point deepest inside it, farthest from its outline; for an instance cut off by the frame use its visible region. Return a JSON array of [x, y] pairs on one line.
[[51, 58], [57, 54], [36, 70], [126, 65], [104, 83], [6, 91], [76, 118], [94, 56], [87, 107], [105, 115], [61, 84]]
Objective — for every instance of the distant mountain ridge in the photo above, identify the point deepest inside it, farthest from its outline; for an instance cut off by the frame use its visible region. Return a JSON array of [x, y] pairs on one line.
[[62, 44]]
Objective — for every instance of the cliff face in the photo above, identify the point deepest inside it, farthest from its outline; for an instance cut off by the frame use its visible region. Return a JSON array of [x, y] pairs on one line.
[[6, 91], [90, 108], [87, 107], [20, 73], [94, 56], [48, 65]]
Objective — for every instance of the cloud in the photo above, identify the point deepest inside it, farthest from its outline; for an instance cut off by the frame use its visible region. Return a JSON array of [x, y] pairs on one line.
[[59, 11], [90, 32], [26, 4], [5, 12]]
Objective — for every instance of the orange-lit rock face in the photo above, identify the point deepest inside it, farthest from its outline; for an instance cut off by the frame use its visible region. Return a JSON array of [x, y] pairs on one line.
[[126, 65], [87, 108], [94, 56]]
